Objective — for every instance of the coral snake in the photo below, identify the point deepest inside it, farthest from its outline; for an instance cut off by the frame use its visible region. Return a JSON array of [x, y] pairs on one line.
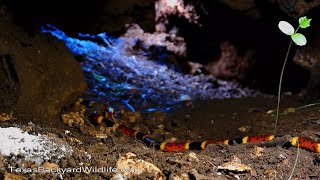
[[107, 116]]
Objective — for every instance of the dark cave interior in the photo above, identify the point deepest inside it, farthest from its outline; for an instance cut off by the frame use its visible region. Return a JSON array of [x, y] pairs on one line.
[[218, 23]]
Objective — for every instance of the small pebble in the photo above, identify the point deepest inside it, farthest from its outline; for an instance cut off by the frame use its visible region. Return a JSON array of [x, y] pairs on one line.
[[63, 163], [72, 162], [187, 117]]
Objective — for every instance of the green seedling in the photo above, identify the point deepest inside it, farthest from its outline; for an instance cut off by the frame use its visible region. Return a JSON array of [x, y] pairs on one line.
[[300, 40]]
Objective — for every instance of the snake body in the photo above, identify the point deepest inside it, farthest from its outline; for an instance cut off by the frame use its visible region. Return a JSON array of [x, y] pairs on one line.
[[107, 116]]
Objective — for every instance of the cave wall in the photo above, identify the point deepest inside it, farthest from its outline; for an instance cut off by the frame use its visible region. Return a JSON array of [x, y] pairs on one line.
[[249, 25], [39, 75]]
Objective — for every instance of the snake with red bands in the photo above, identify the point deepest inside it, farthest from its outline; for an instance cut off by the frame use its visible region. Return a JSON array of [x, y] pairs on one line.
[[107, 114]]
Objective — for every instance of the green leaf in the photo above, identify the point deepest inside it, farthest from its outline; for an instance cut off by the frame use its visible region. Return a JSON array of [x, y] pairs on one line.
[[286, 27], [299, 39], [304, 22]]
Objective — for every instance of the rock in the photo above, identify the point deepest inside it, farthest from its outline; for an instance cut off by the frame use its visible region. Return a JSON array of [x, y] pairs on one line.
[[231, 65], [6, 116], [247, 6], [130, 166], [296, 9], [38, 74], [52, 166], [10, 176], [63, 163], [308, 57], [72, 162], [234, 166], [104, 16], [73, 119], [253, 8]]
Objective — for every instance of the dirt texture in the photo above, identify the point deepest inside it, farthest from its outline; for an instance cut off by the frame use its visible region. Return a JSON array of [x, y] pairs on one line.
[[98, 147], [38, 74]]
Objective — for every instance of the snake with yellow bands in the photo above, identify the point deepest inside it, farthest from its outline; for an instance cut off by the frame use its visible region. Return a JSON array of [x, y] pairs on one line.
[[107, 117]]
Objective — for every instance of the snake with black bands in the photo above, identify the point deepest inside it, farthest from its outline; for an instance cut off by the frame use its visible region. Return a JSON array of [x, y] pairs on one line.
[[107, 116]]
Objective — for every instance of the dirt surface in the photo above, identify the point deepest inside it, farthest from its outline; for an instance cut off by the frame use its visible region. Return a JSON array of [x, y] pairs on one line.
[[115, 74], [215, 119]]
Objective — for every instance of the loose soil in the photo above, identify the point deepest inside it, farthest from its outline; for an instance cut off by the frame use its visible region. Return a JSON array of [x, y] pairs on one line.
[[214, 119]]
